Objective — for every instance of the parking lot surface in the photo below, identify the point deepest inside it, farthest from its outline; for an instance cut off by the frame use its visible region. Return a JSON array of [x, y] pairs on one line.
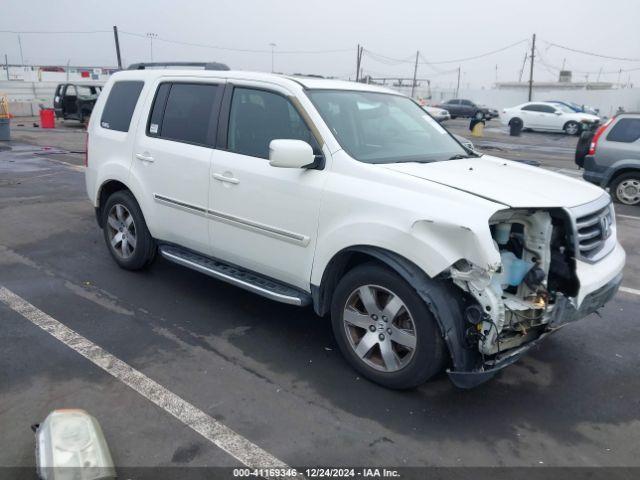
[[271, 372]]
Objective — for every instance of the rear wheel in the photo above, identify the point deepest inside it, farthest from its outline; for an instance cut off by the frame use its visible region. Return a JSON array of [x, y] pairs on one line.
[[126, 233], [384, 329], [572, 128], [626, 188], [479, 115]]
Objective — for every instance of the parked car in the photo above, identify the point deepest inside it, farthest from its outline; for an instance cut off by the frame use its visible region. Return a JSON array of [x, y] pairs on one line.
[[575, 107], [548, 117], [466, 108], [347, 197], [440, 114], [613, 158], [75, 101]]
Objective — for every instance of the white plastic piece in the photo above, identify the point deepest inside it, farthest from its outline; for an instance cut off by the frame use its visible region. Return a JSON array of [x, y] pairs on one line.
[[70, 445]]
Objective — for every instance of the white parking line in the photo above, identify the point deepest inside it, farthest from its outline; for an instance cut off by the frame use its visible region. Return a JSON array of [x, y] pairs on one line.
[[220, 435], [632, 291]]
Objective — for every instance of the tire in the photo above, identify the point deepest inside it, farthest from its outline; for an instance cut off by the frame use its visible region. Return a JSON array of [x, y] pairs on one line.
[[453, 117], [121, 217], [412, 324], [479, 115], [572, 128], [625, 188]]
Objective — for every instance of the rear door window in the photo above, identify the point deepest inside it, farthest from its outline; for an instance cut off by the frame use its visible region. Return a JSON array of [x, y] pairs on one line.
[[626, 130], [120, 105], [185, 112]]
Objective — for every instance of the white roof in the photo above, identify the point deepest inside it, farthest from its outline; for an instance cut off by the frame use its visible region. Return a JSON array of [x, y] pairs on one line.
[[283, 80]]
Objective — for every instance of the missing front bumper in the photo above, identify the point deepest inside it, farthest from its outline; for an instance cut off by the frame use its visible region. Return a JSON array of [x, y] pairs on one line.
[[564, 312]]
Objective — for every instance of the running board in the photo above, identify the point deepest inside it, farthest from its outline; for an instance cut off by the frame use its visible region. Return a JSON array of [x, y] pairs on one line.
[[237, 276]]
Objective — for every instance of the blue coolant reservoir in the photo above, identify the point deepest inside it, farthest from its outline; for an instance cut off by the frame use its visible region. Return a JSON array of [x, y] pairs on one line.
[[513, 270]]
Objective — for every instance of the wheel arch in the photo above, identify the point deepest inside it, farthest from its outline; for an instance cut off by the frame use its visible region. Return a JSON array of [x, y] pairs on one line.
[[621, 167], [444, 300], [108, 188]]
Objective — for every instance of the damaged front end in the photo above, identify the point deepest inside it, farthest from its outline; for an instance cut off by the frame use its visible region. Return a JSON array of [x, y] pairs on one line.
[[533, 289]]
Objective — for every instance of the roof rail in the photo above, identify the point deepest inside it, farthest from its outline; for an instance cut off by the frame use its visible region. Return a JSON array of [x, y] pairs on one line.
[[204, 65]]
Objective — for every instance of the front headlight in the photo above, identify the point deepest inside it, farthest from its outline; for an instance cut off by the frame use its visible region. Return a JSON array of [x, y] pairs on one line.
[[70, 445]]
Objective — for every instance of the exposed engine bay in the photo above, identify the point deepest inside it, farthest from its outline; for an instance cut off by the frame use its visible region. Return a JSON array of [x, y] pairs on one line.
[[514, 299]]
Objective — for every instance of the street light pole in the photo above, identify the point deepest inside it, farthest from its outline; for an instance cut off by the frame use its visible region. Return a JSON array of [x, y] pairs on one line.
[[151, 36], [273, 46]]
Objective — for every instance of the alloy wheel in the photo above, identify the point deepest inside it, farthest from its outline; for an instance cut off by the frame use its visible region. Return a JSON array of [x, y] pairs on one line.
[[572, 128], [122, 231], [628, 191], [379, 328]]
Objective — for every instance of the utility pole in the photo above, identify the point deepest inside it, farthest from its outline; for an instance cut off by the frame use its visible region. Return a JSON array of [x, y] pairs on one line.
[[151, 36], [115, 37], [20, 45], [599, 73], [6, 63], [619, 73], [458, 84], [533, 54], [358, 62], [496, 73], [273, 46], [415, 74]]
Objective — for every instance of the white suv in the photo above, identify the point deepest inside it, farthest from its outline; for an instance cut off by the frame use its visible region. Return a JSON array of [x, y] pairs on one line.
[[350, 198]]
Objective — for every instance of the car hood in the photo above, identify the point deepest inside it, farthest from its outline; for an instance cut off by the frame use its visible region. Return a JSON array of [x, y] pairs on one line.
[[582, 116], [503, 181]]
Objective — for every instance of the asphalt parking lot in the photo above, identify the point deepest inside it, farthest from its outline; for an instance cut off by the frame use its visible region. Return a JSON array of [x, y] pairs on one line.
[[270, 372]]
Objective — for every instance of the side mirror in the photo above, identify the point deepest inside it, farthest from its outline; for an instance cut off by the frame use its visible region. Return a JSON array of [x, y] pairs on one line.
[[290, 154]]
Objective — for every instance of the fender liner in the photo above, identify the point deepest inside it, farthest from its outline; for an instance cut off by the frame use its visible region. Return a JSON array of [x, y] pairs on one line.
[[445, 301]]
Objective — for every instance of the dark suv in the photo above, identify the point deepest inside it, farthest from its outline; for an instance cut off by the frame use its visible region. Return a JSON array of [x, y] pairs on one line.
[[75, 101], [613, 157], [466, 108]]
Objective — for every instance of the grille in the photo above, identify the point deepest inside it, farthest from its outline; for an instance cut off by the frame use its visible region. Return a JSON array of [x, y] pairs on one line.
[[592, 231]]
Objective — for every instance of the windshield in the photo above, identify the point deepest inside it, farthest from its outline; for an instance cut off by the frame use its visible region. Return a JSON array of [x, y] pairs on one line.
[[384, 128], [564, 108]]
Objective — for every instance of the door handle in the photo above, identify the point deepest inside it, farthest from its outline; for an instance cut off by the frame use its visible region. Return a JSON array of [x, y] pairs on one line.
[[224, 178], [144, 157]]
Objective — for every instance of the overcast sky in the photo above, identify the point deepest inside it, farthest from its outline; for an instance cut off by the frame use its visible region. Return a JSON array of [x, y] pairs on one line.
[[441, 30]]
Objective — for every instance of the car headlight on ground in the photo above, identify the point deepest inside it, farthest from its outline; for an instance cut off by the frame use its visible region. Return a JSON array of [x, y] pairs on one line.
[[70, 445]]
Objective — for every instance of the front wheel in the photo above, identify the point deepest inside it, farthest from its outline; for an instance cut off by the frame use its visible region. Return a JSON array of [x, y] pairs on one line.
[[384, 329], [126, 233], [572, 128], [626, 188]]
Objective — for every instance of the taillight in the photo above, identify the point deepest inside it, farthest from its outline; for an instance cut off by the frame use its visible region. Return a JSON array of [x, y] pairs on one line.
[[86, 150], [596, 136]]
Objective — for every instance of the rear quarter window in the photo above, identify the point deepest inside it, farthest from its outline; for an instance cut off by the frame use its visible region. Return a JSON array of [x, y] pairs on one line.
[[625, 130], [120, 105]]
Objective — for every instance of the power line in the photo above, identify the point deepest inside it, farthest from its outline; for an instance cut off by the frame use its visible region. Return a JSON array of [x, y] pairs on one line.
[[177, 42], [241, 50], [52, 32], [397, 61], [585, 72], [584, 52]]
